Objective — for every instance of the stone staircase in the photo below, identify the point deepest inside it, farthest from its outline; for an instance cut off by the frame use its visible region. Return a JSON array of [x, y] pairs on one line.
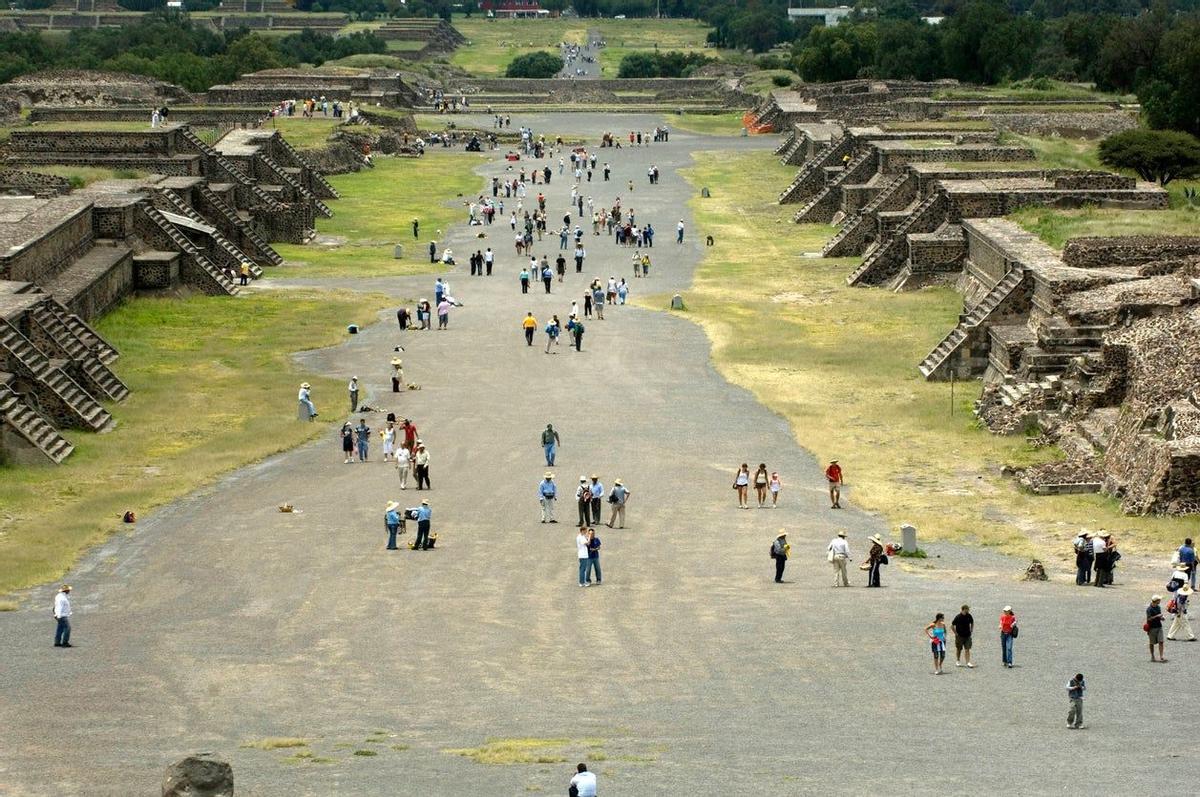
[[227, 166], [787, 154], [1013, 393], [282, 172], [822, 207], [100, 379], [209, 277], [851, 238], [234, 255], [321, 187], [35, 429], [934, 366], [103, 350], [788, 141], [75, 407], [263, 250], [886, 260], [811, 178]]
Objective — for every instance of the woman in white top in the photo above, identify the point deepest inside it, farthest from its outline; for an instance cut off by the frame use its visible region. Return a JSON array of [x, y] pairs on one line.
[[403, 464], [741, 483], [761, 479], [776, 485], [389, 441]]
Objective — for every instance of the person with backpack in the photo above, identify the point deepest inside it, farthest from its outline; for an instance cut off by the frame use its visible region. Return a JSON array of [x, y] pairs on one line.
[[779, 552], [618, 498], [1083, 559], [1008, 632], [550, 443], [1187, 556], [583, 497], [1178, 607]]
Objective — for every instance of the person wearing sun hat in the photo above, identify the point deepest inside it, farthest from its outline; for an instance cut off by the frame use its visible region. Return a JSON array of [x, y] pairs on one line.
[[618, 497], [779, 552], [547, 492], [392, 522], [307, 410], [583, 497], [1181, 623], [839, 555], [424, 517], [62, 616], [833, 476], [876, 558]]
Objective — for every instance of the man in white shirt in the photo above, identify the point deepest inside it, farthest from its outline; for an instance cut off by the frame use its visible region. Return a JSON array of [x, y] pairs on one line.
[[583, 784], [839, 554], [62, 613], [581, 550], [1099, 549]]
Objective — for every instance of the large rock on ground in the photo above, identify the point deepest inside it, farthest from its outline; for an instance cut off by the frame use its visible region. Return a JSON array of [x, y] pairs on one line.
[[196, 776]]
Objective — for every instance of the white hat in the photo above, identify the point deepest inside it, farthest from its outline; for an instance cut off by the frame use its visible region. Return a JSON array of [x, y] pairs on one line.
[[1155, 598], [392, 505], [549, 475], [841, 534], [1008, 608], [877, 539], [1186, 589]]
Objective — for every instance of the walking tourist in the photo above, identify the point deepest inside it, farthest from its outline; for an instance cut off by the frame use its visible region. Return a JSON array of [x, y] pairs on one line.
[[618, 498], [403, 465], [553, 330], [421, 466], [530, 326], [547, 492], [347, 442], [833, 475], [1187, 556], [1008, 633], [362, 436], [775, 485], [62, 617], [741, 483], [1181, 624], [779, 552], [550, 443], [839, 555], [1075, 691], [936, 631], [761, 479], [1154, 629], [963, 625], [389, 441]]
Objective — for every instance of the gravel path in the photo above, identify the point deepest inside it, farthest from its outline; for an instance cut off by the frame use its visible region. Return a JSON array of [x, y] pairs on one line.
[[222, 620]]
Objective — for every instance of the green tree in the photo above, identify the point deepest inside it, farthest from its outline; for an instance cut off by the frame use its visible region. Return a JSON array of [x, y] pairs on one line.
[[535, 65], [1172, 98], [839, 53], [1157, 155], [638, 64], [908, 50], [985, 43]]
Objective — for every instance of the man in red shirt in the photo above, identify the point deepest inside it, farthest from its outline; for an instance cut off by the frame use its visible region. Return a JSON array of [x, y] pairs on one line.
[[833, 474]]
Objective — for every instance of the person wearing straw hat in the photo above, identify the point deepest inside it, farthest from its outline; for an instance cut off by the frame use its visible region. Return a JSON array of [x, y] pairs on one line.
[[779, 552], [618, 498], [397, 374], [62, 615], [876, 558], [1083, 558], [839, 555], [307, 410], [392, 522], [352, 389], [547, 492], [1181, 624]]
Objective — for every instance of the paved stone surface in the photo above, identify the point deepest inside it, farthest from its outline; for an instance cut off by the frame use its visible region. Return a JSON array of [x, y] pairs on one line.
[[222, 620]]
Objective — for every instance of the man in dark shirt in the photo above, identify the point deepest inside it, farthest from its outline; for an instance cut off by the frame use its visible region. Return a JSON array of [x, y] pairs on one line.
[[1154, 629], [964, 625]]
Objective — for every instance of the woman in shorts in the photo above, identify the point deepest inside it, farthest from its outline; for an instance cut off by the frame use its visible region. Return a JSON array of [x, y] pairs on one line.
[[741, 483], [936, 631], [761, 479]]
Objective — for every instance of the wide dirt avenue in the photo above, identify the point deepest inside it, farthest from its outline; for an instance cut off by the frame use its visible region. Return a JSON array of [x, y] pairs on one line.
[[221, 621]]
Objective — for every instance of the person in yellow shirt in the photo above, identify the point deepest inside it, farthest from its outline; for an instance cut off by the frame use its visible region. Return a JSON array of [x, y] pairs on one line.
[[529, 325]]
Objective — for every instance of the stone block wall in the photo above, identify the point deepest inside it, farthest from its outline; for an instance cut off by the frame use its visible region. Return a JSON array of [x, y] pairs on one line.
[[935, 252], [20, 181], [1100, 252], [53, 252], [103, 293], [160, 143]]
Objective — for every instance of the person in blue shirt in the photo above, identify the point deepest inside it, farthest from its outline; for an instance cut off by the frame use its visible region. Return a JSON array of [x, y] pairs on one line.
[[593, 556], [936, 631], [362, 434], [392, 521], [424, 516], [1187, 556], [547, 492]]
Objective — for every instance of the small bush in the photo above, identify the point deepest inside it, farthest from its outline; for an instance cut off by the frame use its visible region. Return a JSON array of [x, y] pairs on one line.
[[781, 80], [535, 65], [365, 752]]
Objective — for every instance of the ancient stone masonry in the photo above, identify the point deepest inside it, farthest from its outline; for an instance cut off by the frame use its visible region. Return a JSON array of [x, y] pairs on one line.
[[638, 94], [439, 36], [68, 257], [83, 14], [272, 86]]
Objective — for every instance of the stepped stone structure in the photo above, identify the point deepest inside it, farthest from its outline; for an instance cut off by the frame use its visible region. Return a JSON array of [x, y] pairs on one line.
[[66, 257], [439, 36], [272, 86], [698, 94], [85, 14], [864, 102]]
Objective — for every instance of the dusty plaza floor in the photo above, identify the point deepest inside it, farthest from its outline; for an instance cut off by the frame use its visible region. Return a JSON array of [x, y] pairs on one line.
[[222, 622]]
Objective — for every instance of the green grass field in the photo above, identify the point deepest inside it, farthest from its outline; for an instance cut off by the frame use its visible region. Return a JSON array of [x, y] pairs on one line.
[[840, 364], [376, 212], [715, 124], [201, 405], [493, 43]]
